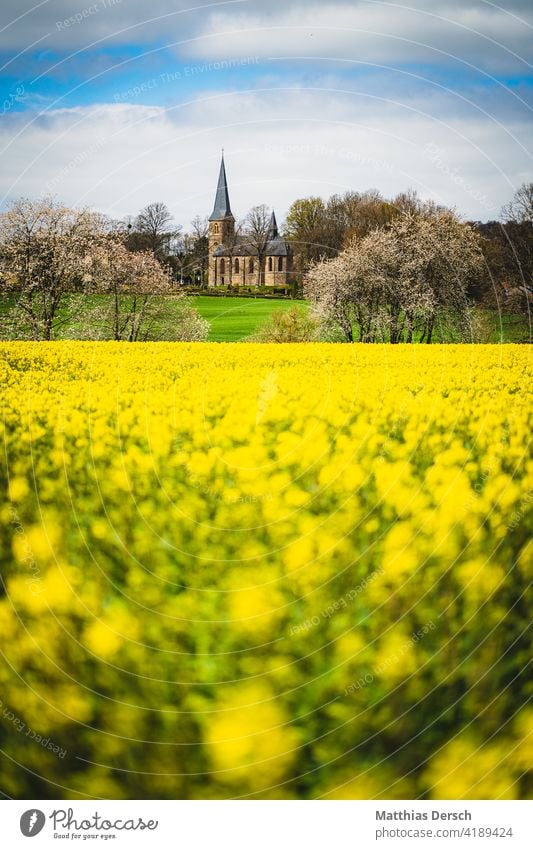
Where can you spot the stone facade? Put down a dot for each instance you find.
(221, 232)
(244, 271)
(232, 260)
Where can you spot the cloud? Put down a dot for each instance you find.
(471, 34)
(65, 25)
(433, 31)
(280, 145)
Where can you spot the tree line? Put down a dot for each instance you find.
(395, 270)
(373, 269)
(56, 262)
(186, 254)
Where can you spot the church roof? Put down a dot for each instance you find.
(221, 208)
(275, 247)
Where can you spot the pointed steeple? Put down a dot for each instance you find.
(221, 208)
(273, 227)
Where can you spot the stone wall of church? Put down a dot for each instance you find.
(219, 231)
(277, 271)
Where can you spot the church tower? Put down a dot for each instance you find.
(221, 225)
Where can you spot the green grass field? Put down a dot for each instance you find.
(232, 319)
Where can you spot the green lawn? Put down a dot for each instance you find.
(232, 319)
(509, 328)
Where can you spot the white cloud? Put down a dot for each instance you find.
(280, 145)
(487, 34)
(389, 32)
(66, 25)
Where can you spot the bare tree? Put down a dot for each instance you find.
(520, 208)
(257, 225)
(199, 247)
(156, 227)
(200, 227)
(46, 254)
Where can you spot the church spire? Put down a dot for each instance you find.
(273, 227)
(221, 208)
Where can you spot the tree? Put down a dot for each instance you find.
(143, 305)
(154, 230)
(510, 254)
(318, 230)
(257, 227)
(400, 279)
(200, 227)
(294, 325)
(183, 261)
(352, 288)
(409, 203)
(46, 254)
(307, 231)
(508, 282)
(334, 287)
(520, 208)
(362, 213)
(448, 261)
(197, 250)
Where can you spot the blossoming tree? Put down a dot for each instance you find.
(400, 279)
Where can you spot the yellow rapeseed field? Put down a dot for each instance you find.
(265, 571)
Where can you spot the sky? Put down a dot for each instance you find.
(114, 104)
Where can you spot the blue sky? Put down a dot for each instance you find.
(116, 103)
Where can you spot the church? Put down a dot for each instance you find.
(233, 260)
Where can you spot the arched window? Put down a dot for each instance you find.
(222, 266)
(236, 266)
(251, 265)
(270, 263)
(215, 228)
(280, 263)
